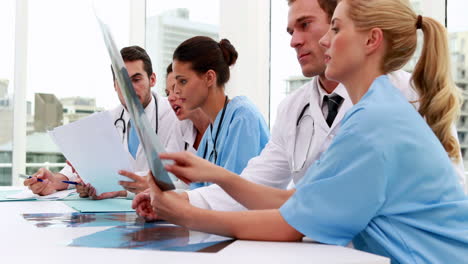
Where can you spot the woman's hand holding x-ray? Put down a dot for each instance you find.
(168, 205)
(142, 205)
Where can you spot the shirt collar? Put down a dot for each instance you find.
(189, 132)
(149, 110)
(339, 90)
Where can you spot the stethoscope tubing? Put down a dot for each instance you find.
(127, 125)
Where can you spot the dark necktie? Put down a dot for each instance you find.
(333, 101)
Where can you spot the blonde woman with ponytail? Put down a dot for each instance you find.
(439, 98)
(386, 182)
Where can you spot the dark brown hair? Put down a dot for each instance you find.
(327, 5)
(205, 54)
(168, 69)
(134, 53)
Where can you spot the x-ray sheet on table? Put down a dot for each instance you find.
(153, 236)
(95, 149)
(83, 219)
(149, 140)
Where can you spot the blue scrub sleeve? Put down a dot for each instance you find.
(245, 139)
(340, 193)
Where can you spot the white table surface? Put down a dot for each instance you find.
(22, 242)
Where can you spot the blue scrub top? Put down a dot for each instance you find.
(243, 135)
(386, 184)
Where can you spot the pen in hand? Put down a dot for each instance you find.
(72, 182)
(29, 177)
(41, 180)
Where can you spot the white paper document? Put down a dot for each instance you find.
(29, 195)
(94, 148)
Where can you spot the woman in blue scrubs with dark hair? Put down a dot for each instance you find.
(386, 182)
(237, 131)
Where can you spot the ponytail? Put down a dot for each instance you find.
(439, 98)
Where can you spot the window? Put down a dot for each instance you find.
(68, 68)
(244, 22)
(457, 26)
(461, 137)
(7, 52)
(169, 23)
(286, 74)
(68, 75)
(430, 8)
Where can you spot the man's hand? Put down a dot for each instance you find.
(142, 205)
(49, 184)
(138, 185)
(83, 189)
(169, 205)
(87, 190)
(108, 195)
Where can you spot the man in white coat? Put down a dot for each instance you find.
(157, 109)
(307, 120)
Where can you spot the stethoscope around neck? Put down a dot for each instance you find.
(126, 126)
(214, 152)
(297, 166)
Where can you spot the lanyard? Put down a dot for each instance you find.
(214, 151)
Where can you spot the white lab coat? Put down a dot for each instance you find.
(166, 120)
(273, 167)
(183, 137)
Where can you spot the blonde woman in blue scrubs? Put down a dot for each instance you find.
(386, 182)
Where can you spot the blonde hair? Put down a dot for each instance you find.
(439, 98)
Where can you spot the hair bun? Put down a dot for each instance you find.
(229, 52)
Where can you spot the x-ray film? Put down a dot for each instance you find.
(149, 140)
(153, 236)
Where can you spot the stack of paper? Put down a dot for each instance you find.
(27, 194)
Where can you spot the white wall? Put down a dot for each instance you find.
(137, 23)
(246, 24)
(434, 9)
